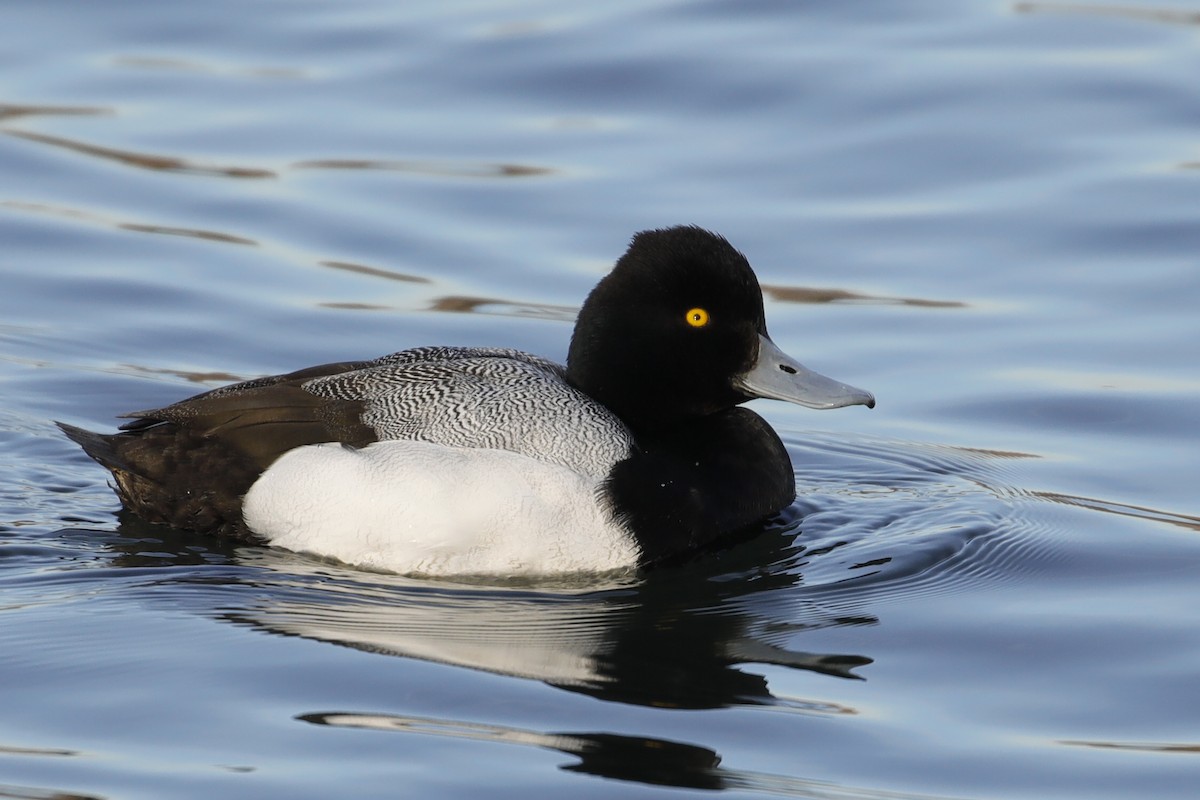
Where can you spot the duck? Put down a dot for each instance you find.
(442, 461)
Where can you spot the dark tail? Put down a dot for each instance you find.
(99, 446)
(156, 471)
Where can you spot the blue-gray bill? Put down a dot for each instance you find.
(778, 376)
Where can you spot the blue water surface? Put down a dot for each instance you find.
(985, 213)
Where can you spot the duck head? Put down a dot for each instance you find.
(677, 331)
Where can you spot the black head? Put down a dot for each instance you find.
(676, 331)
(664, 334)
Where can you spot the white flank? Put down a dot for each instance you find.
(422, 508)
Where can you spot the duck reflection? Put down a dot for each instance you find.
(677, 637)
(631, 758)
(638, 759)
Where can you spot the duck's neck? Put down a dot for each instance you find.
(656, 403)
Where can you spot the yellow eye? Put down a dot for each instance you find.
(696, 317)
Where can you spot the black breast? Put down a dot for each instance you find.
(701, 483)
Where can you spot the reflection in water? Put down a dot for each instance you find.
(638, 759)
(1140, 747)
(58, 211)
(34, 793)
(674, 638)
(1122, 509)
(1170, 16)
(374, 272)
(212, 236)
(141, 160)
(187, 375)
(9, 750)
(802, 294)
(13, 111)
(444, 169)
(461, 304)
(30, 793)
(136, 227)
(352, 306)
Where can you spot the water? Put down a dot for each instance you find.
(984, 213)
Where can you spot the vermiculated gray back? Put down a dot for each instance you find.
(483, 397)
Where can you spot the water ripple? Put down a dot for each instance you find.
(895, 519)
(804, 294)
(13, 111)
(136, 227)
(150, 161)
(445, 169)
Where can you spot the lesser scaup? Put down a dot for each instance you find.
(449, 460)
